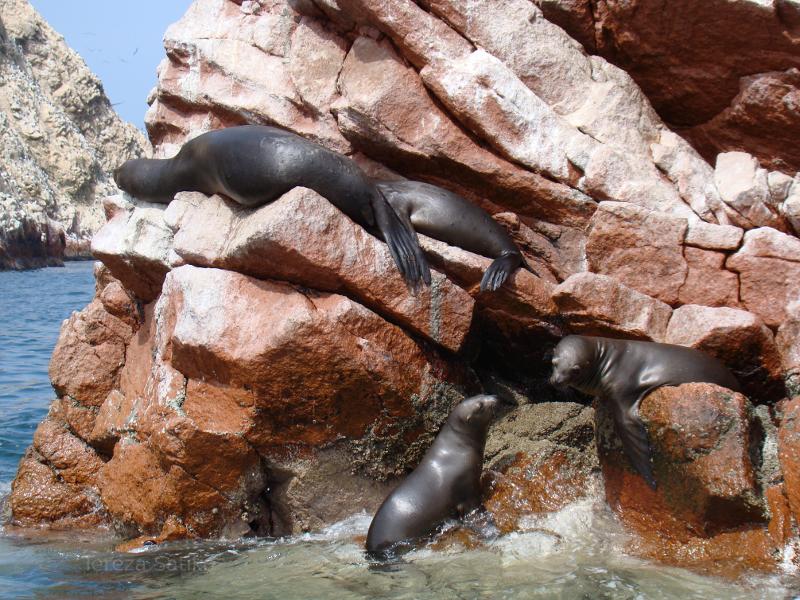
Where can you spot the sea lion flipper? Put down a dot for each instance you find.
(499, 270)
(402, 242)
(635, 441)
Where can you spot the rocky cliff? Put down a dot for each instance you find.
(59, 141)
(267, 371)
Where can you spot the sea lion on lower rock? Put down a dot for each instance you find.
(445, 216)
(445, 484)
(623, 372)
(254, 165)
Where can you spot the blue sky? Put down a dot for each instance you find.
(120, 40)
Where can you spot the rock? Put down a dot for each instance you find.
(523, 296)
(28, 243)
(89, 355)
(788, 342)
(234, 394)
(140, 495)
(739, 339)
(61, 140)
(420, 36)
(135, 245)
(720, 77)
(39, 498)
(769, 271)
(540, 457)
(789, 452)
(594, 304)
(761, 119)
(641, 249)
(707, 501)
(256, 51)
(553, 253)
(790, 207)
(302, 238)
(321, 490)
(73, 460)
(744, 187)
(118, 303)
(488, 98)
(435, 149)
(713, 237)
(596, 97)
(707, 281)
(56, 482)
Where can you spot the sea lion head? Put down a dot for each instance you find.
(123, 175)
(573, 362)
(142, 178)
(475, 414)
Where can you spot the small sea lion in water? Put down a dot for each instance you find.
(623, 372)
(445, 216)
(254, 165)
(446, 484)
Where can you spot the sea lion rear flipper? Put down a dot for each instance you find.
(499, 271)
(635, 441)
(402, 242)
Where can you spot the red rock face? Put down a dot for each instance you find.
(705, 80)
(789, 452)
(707, 507)
(739, 339)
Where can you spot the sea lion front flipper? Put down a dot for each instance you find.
(635, 441)
(402, 242)
(499, 270)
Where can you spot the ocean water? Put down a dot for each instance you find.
(576, 553)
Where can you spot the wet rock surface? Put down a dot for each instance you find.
(266, 371)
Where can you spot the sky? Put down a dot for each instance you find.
(120, 40)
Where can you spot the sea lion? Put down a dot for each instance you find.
(623, 372)
(445, 484)
(254, 165)
(445, 216)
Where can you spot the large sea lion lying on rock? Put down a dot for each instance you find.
(445, 216)
(623, 372)
(254, 165)
(445, 485)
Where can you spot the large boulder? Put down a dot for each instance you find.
(769, 271)
(237, 386)
(707, 511)
(739, 339)
(304, 239)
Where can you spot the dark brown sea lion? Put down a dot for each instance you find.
(254, 165)
(446, 484)
(623, 372)
(445, 216)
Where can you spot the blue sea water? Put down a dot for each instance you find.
(32, 306)
(576, 553)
